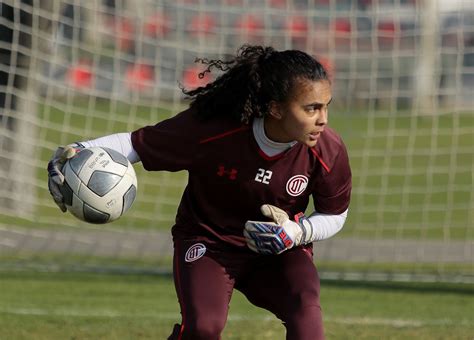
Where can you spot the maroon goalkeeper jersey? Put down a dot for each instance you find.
(230, 177)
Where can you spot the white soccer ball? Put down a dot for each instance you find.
(100, 185)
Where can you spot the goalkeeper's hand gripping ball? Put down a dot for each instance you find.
(55, 175)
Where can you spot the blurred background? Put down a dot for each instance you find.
(403, 79)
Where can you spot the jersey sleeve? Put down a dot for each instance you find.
(332, 191)
(169, 145)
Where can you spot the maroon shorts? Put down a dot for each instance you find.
(287, 285)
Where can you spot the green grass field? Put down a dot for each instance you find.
(49, 306)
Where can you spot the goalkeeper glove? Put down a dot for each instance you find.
(281, 234)
(55, 175)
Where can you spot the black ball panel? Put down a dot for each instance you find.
(102, 182)
(128, 198)
(117, 157)
(78, 161)
(92, 215)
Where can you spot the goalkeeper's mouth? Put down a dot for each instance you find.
(314, 136)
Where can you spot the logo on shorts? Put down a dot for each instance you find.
(296, 185)
(196, 251)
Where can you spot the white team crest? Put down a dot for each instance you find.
(195, 252)
(296, 185)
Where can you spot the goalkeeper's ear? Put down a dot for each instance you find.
(274, 110)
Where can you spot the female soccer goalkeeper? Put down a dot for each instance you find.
(256, 145)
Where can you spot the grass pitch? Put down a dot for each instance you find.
(412, 180)
(49, 306)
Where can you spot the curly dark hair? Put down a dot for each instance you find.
(252, 79)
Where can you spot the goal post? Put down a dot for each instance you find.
(402, 73)
(20, 30)
(428, 60)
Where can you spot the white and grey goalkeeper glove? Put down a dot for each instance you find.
(281, 234)
(55, 175)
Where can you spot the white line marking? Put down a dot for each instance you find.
(398, 323)
(7, 242)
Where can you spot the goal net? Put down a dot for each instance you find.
(403, 84)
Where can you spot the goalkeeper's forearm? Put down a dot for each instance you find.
(120, 142)
(324, 226)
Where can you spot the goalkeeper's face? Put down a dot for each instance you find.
(303, 116)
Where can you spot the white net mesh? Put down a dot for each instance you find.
(403, 78)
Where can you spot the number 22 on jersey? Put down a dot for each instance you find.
(263, 176)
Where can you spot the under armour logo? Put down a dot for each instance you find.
(232, 173)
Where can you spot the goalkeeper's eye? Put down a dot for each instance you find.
(313, 108)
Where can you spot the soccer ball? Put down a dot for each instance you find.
(100, 185)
